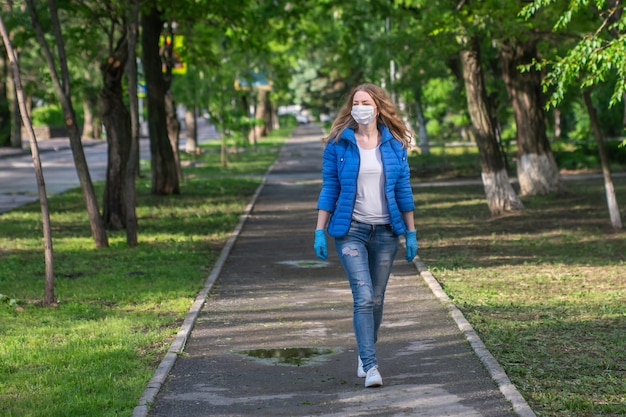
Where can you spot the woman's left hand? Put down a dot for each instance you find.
(320, 244)
(411, 245)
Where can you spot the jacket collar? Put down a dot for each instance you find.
(348, 134)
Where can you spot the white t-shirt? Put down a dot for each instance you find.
(370, 206)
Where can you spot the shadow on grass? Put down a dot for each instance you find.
(571, 228)
(577, 364)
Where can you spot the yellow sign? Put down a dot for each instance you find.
(179, 66)
(254, 80)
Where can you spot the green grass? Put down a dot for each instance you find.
(459, 161)
(119, 307)
(444, 162)
(545, 289)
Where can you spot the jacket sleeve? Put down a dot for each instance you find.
(330, 179)
(404, 192)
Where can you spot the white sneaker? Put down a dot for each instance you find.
(359, 369)
(373, 378)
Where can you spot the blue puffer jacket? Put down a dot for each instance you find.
(340, 169)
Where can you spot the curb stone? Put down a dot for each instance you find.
(497, 373)
(162, 371)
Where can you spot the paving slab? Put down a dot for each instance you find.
(271, 333)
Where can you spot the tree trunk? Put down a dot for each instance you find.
(269, 110)
(173, 124)
(421, 124)
(611, 200)
(275, 119)
(116, 119)
(88, 118)
(501, 197)
(557, 124)
(537, 171)
(191, 126)
(5, 103)
(222, 113)
(164, 170)
(11, 94)
(624, 113)
(258, 129)
(91, 119)
(92, 125)
(49, 298)
(246, 128)
(16, 118)
(63, 91)
(132, 166)
(173, 131)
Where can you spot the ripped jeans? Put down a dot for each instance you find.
(367, 254)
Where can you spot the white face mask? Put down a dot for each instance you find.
(363, 115)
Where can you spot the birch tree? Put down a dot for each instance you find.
(611, 200)
(599, 55)
(537, 171)
(501, 197)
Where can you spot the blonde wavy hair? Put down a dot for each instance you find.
(387, 115)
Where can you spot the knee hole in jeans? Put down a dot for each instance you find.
(350, 252)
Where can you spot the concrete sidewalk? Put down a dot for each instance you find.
(271, 332)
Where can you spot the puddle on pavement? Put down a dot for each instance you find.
(298, 356)
(305, 264)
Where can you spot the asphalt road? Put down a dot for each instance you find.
(18, 185)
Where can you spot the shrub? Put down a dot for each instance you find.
(52, 115)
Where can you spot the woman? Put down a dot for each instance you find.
(366, 203)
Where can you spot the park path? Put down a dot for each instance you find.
(271, 332)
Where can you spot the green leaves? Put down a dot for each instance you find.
(590, 62)
(5, 299)
(597, 57)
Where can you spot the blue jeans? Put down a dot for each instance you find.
(367, 254)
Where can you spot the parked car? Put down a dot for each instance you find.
(302, 118)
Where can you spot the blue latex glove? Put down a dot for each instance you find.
(411, 245)
(320, 244)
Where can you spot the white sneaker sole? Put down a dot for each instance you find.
(373, 380)
(374, 384)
